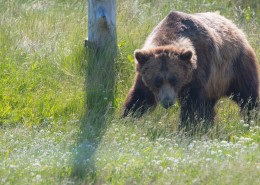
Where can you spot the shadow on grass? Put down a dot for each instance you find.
(92, 129)
(100, 80)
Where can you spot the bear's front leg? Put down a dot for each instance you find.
(196, 114)
(139, 100)
(187, 117)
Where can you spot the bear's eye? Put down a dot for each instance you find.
(158, 81)
(173, 80)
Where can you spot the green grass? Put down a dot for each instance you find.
(46, 137)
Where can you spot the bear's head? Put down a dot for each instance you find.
(165, 70)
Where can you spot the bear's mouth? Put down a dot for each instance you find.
(167, 102)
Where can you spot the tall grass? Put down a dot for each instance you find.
(41, 60)
(44, 137)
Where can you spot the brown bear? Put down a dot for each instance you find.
(195, 59)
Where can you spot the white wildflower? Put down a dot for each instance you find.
(245, 125)
(38, 178)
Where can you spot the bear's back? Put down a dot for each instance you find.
(207, 31)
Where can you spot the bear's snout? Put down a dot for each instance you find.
(167, 96)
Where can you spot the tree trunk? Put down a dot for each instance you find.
(102, 49)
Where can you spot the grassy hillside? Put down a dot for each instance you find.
(46, 137)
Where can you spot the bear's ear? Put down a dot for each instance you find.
(186, 55)
(141, 56)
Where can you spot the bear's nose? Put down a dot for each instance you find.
(166, 102)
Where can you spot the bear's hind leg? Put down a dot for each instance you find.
(244, 89)
(248, 103)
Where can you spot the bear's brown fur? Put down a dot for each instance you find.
(197, 59)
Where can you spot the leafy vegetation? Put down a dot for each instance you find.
(46, 136)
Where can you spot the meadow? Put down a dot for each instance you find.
(47, 135)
